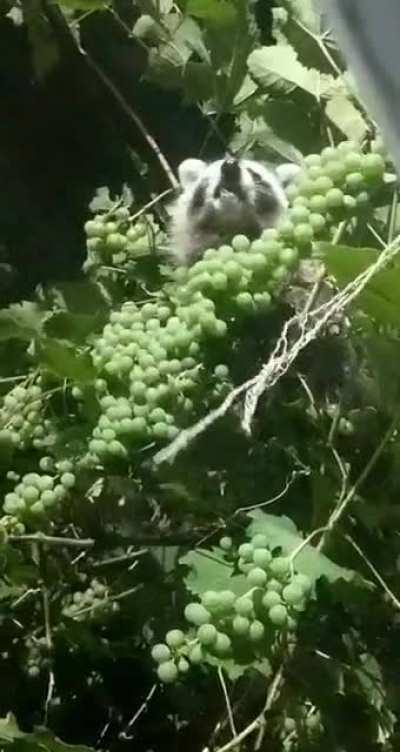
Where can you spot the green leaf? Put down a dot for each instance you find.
(282, 532)
(65, 361)
(73, 327)
(209, 571)
(215, 12)
(84, 4)
(256, 133)
(305, 12)
(277, 67)
(380, 299)
(40, 740)
(22, 321)
(346, 117)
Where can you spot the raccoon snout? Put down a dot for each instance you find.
(230, 171)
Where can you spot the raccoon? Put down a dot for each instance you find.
(223, 198)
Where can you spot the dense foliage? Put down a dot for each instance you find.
(199, 466)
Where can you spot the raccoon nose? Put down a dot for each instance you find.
(230, 170)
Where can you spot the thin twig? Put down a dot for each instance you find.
(227, 701)
(52, 540)
(374, 571)
(124, 734)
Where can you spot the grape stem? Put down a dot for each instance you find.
(51, 540)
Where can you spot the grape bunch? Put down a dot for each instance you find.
(89, 604)
(36, 495)
(21, 417)
(275, 597)
(334, 185)
(37, 657)
(150, 356)
(115, 238)
(304, 727)
(11, 525)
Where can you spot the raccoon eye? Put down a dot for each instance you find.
(256, 177)
(198, 198)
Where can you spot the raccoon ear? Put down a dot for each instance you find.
(287, 172)
(189, 171)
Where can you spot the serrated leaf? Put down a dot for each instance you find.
(65, 361)
(41, 740)
(73, 327)
(277, 67)
(306, 13)
(282, 532)
(209, 571)
(22, 321)
(346, 117)
(380, 299)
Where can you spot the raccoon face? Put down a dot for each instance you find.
(223, 198)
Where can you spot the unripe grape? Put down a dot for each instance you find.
(259, 540)
(240, 625)
(271, 598)
(322, 185)
(183, 666)
(257, 630)
(207, 634)
(222, 645)
(334, 198)
(280, 566)
(196, 654)
(246, 551)
(160, 652)
(317, 222)
(354, 181)
(175, 638)
(67, 480)
(226, 599)
(303, 581)
(303, 234)
(373, 166)
(244, 606)
(226, 543)
(240, 243)
(278, 615)
(262, 557)
(167, 672)
(197, 614)
(257, 577)
(318, 204)
(292, 594)
(289, 724)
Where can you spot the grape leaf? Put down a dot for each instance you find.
(22, 321)
(380, 299)
(345, 116)
(65, 361)
(41, 740)
(220, 13)
(282, 532)
(277, 67)
(210, 571)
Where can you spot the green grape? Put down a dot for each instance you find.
(354, 181)
(318, 204)
(373, 166)
(262, 557)
(257, 631)
(318, 222)
(160, 652)
(353, 161)
(278, 615)
(280, 566)
(226, 599)
(299, 214)
(46, 464)
(48, 498)
(245, 551)
(210, 600)
(197, 614)
(243, 606)
(67, 480)
(322, 185)
(257, 577)
(289, 257)
(303, 234)
(222, 645)
(30, 494)
(167, 672)
(226, 543)
(301, 580)
(312, 160)
(221, 371)
(183, 666)
(289, 724)
(259, 541)
(37, 508)
(328, 153)
(336, 170)
(240, 243)
(334, 198)
(286, 229)
(292, 594)
(240, 625)
(196, 654)
(65, 466)
(175, 638)
(31, 479)
(207, 634)
(271, 598)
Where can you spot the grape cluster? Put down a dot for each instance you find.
(151, 354)
(304, 727)
(11, 525)
(332, 186)
(89, 604)
(37, 657)
(39, 495)
(115, 238)
(276, 596)
(21, 417)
